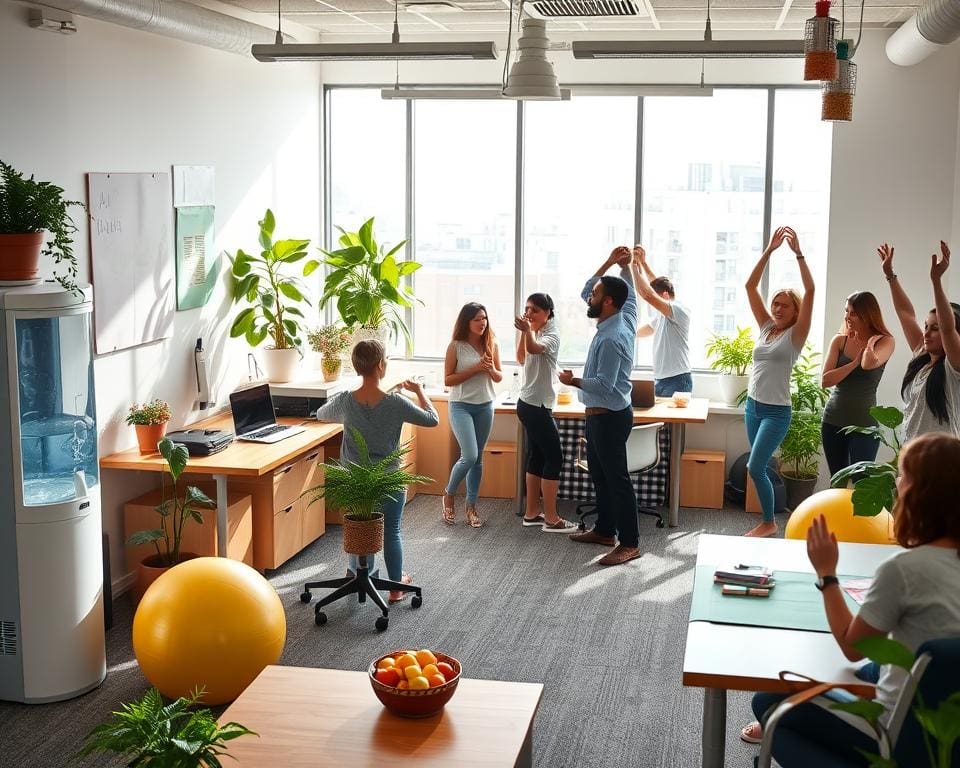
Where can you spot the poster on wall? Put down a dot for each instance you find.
(197, 270)
(192, 185)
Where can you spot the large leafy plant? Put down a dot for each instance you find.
(261, 281)
(360, 488)
(368, 283)
(36, 206)
(731, 354)
(176, 511)
(800, 449)
(154, 735)
(874, 482)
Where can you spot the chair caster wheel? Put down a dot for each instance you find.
(381, 623)
(305, 597)
(320, 618)
(416, 602)
(660, 523)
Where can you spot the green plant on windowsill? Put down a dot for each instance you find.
(731, 355)
(154, 735)
(874, 482)
(800, 449)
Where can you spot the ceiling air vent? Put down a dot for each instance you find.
(8, 638)
(572, 9)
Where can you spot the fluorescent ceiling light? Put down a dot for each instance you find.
(373, 51)
(687, 49)
(640, 90)
(454, 94)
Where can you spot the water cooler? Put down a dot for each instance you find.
(51, 571)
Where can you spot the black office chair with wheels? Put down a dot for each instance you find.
(643, 454)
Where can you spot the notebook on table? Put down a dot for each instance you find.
(254, 419)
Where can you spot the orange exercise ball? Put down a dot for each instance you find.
(836, 506)
(210, 622)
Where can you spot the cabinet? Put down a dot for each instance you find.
(437, 450)
(499, 470)
(703, 476)
(140, 514)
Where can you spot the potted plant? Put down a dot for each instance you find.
(330, 342)
(152, 734)
(732, 356)
(261, 282)
(874, 482)
(367, 283)
(150, 422)
(28, 208)
(800, 449)
(174, 512)
(359, 489)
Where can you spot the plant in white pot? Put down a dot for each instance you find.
(732, 356)
(263, 283)
(368, 286)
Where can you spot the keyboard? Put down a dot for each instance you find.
(267, 431)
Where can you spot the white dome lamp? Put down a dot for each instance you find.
(532, 76)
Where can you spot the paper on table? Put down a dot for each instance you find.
(857, 589)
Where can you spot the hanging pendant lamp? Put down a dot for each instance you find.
(819, 45)
(838, 94)
(532, 76)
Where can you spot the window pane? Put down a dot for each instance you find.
(464, 201)
(801, 197)
(703, 170)
(579, 171)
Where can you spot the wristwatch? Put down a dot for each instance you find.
(826, 581)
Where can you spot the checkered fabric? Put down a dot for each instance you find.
(651, 487)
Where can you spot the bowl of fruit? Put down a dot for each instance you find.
(414, 683)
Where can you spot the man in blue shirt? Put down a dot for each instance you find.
(605, 392)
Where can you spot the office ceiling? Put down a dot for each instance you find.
(365, 18)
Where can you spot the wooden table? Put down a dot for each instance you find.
(239, 459)
(326, 717)
(663, 410)
(727, 657)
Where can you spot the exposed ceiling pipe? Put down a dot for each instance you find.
(935, 25)
(174, 18)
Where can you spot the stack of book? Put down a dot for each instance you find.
(743, 575)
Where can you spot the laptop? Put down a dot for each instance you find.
(643, 395)
(254, 419)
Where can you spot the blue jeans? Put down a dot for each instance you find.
(392, 544)
(766, 427)
(471, 424)
(682, 382)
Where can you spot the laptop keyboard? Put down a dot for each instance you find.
(267, 431)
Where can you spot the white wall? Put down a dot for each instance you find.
(114, 99)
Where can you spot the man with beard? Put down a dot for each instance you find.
(605, 393)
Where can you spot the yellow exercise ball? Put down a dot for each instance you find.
(210, 622)
(835, 504)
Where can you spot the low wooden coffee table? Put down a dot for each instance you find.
(328, 717)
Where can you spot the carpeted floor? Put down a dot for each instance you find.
(511, 603)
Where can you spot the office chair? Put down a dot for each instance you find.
(643, 454)
(935, 676)
(360, 584)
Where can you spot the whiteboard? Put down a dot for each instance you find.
(132, 255)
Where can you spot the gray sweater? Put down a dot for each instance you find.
(380, 425)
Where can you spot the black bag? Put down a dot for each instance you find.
(735, 489)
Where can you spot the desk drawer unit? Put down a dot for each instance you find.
(314, 523)
(703, 476)
(277, 513)
(499, 471)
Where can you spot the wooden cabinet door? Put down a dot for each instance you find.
(436, 452)
(287, 533)
(314, 520)
(408, 438)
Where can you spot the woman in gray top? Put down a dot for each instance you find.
(379, 416)
(853, 366)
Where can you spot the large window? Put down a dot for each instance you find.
(702, 199)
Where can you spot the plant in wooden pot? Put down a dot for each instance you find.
(800, 449)
(732, 356)
(174, 512)
(28, 209)
(263, 283)
(150, 422)
(330, 342)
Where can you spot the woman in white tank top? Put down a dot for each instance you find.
(783, 332)
(471, 368)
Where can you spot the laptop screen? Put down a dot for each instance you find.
(252, 409)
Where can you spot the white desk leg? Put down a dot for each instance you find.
(521, 468)
(676, 448)
(221, 481)
(714, 742)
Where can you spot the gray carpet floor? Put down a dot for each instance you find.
(511, 603)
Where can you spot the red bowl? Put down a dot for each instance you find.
(407, 703)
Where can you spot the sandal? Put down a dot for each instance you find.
(397, 596)
(448, 512)
(473, 519)
(751, 733)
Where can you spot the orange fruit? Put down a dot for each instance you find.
(412, 671)
(436, 680)
(419, 683)
(405, 660)
(386, 663)
(425, 657)
(445, 669)
(430, 669)
(403, 685)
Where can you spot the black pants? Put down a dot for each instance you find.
(607, 435)
(842, 451)
(544, 452)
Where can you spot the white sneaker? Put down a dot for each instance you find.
(561, 526)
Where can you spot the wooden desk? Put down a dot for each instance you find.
(663, 410)
(326, 717)
(726, 657)
(240, 459)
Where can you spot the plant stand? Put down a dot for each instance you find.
(361, 585)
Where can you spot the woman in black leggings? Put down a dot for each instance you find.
(537, 351)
